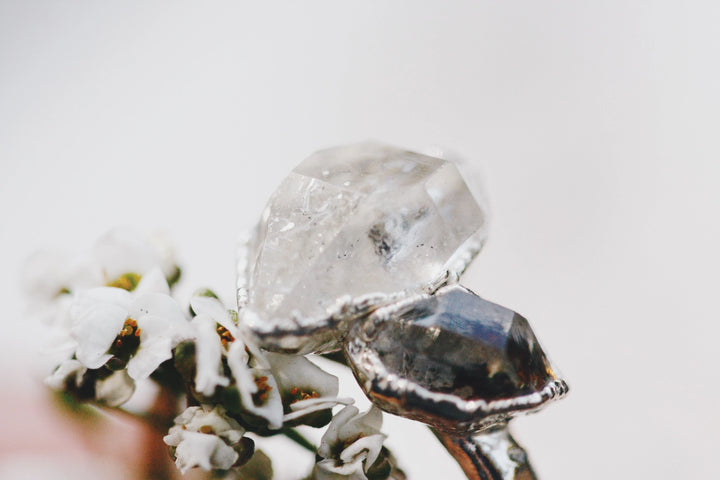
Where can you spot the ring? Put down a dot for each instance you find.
(360, 249)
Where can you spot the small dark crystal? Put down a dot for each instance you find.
(452, 355)
(459, 343)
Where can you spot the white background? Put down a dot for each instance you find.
(595, 123)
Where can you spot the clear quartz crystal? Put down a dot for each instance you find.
(351, 222)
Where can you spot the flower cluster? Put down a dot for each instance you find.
(114, 320)
(110, 318)
(351, 444)
(208, 439)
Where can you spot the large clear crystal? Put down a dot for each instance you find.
(354, 222)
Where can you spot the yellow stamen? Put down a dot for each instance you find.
(263, 392)
(125, 344)
(127, 281)
(298, 395)
(226, 337)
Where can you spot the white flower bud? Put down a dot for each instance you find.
(205, 438)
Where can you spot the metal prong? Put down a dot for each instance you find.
(492, 455)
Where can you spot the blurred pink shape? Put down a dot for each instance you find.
(33, 425)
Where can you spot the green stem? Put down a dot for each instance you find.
(296, 437)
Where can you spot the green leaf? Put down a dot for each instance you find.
(174, 276)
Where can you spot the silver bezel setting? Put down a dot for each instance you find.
(405, 397)
(302, 335)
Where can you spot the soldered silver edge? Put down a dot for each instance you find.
(302, 335)
(377, 381)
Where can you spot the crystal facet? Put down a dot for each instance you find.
(349, 229)
(452, 360)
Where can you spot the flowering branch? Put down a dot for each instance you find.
(360, 250)
(115, 322)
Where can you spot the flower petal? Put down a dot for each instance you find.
(67, 368)
(175, 435)
(152, 352)
(330, 470)
(159, 314)
(332, 434)
(211, 450)
(371, 445)
(153, 282)
(237, 359)
(297, 371)
(116, 296)
(215, 418)
(364, 424)
(271, 409)
(208, 355)
(363, 430)
(58, 344)
(214, 308)
(122, 250)
(115, 389)
(204, 451)
(45, 275)
(304, 407)
(97, 317)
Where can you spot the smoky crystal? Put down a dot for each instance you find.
(453, 360)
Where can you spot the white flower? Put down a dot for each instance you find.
(115, 389)
(205, 438)
(217, 338)
(258, 390)
(211, 342)
(57, 344)
(350, 445)
(68, 371)
(120, 257)
(305, 387)
(112, 390)
(52, 279)
(141, 326)
(266, 381)
(46, 279)
(122, 250)
(49, 274)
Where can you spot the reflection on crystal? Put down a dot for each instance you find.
(365, 219)
(452, 354)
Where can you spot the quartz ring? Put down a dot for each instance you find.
(361, 249)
